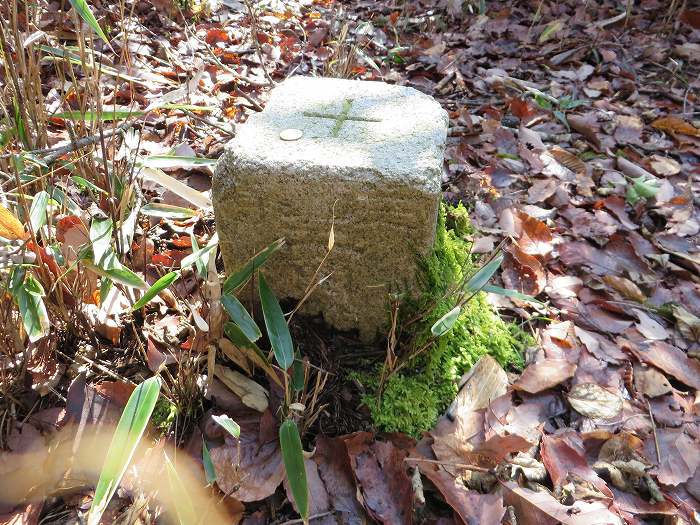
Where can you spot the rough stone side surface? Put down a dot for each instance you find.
(381, 179)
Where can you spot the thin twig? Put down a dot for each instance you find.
(475, 468)
(236, 75)
(208, 123)
(256, 43)
(313, 517)
(56, 152)
(656, 438)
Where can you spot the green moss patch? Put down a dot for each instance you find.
(414, 398)
(164, 414)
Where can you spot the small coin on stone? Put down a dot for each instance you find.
(291, 134)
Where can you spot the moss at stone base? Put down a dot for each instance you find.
(414, 398)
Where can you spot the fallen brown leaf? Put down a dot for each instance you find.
(675, 125)
(664, 166)
(256, 473)
(669, 359)
(627, 288)
(333, 462)
(541, 508)
(497, 448)
(472, 507)
(650, 382)
(600, 346)
(319, 498)
(10, 227)
(680, 455)
(594, 401)
(650, 328)
(568, 159)
(586, 126)
(545, 374)
(453, 435)
(383, 482)
(564, 457)
(535, 236)
(522, 272)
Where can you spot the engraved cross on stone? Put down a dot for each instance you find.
(341, 117)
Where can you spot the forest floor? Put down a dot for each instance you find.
(574, 141)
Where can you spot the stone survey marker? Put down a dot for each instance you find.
(369, 152)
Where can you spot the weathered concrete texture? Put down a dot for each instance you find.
(371, 150)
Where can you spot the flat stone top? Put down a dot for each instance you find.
(347, 128)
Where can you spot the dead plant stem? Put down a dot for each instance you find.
(475, 468)
(256, 42)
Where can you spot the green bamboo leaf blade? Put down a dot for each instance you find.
(180, 497)
(120, 275)
(93, 116)
(446, 322)
(238, 338)
(298, 375)
(35, 318)
(83, 9)
(130, 429)
(293, 458)
(86, 184)
(239, 278)
(145, 79)
(277, 329)
(105, 287)
(100, 237)
(19, 124)
(482, 276)
(37, 213)
(241, 317)
(167, 211)
(228, 424)
(200, 264)
(198, 255)
(209, 469)
(157, 287)
(510, 293)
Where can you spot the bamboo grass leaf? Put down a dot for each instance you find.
(120, 275)
(101, 237)
(293, 457)
(107, 114)
(37, 213)
(482, 276)
(167, 211)
(198, 254)
(157, 287)
(239, 278)
(228, 424)
(209, 469)
(277, 329)
(241, 317)
(83, 9)
(179, 495)
(127, 435)
(446, 322)
(510, 293)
